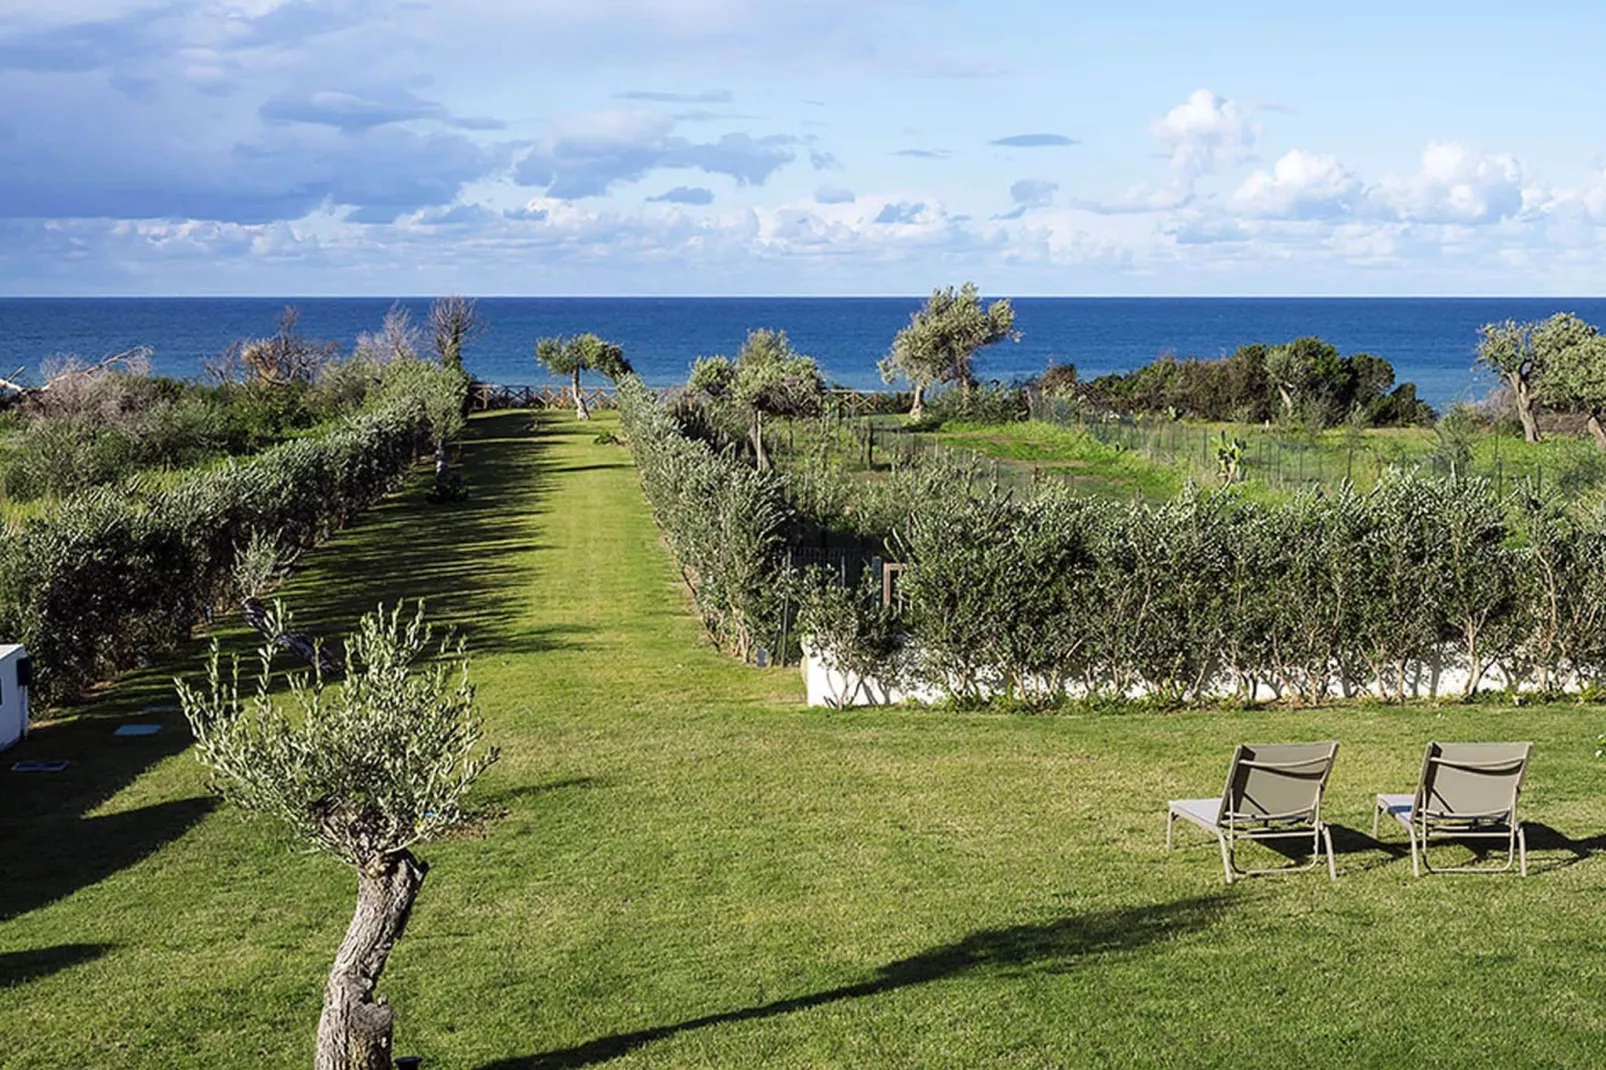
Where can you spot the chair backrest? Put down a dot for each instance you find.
(1472, 779)
(1277, 780)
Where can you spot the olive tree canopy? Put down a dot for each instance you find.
(362, 770)
(1573, 356)
(767, 378)
(942, 339)
(578, 353)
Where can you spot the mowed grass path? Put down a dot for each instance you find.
(691, 869)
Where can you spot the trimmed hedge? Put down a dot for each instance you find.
(1418, 585)
(112, 578)
(725, 522)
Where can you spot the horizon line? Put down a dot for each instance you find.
(793, 297)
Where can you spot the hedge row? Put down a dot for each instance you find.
(725, 522)
(1418, 585)
(110, 578)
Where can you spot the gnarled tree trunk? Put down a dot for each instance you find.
(918, 409)
(755, 435)
(580, 410)
(1597, 430)
(1522, 400)
(1288, 401)
(354, 1032)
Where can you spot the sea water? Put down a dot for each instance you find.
(1430, 341)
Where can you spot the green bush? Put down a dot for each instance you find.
(1016, 597)
(852, 632)
(988, 404)
(114, 577)
(725, 522)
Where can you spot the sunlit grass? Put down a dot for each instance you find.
(688, 868)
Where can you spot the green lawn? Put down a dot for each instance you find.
(1154, 460)
(688, 868)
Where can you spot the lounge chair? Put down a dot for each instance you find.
(1273, 792)
(1466, 791)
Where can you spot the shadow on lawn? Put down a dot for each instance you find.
(470, 561)
(52, 848)
(1054, 947)
(20, 967)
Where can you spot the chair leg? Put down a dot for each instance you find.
(1377, 812)
(1332, 866)
(1170, 823)
(1522, 850)
(1226, 857)
(1416, 865)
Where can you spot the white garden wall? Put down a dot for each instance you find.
(1446, 677)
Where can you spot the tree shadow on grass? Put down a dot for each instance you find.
(1053, 947)
(472, 562)
(530, 791)
(52, 848)
(20, 967)
(53, 857)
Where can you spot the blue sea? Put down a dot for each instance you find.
(1429, 340)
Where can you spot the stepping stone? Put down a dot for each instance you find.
(137, 730)
(40, 765)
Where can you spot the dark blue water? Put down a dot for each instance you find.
(1429, 340)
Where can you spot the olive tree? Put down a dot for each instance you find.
(443, 390)
(1520, 354)
(398, 339)
(363, 770)
(1575, 369)
(942, 339)
(1297, 369)
(767, 378)
(853, 633)
(582, 353)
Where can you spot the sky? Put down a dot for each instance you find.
(689, 147)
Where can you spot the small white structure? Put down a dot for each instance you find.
(14, 679)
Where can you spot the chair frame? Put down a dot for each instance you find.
(1424, 824)
(1232, 825)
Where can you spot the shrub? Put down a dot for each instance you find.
(992, 403)
(852, 632)
(725, 522)
(112, 578)
(1210, 593)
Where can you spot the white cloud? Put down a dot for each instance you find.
(1457, 185)
(1205, 132)
(1201, 135)
(1302, 185)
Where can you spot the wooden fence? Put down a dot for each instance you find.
(485, 396)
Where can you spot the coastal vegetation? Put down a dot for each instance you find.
(1305, 382)
(1030, 595)
(941, 341)
(1143, 583)
(365, 770)
(767, 378)
(110, 575)
(682, 866)
(581, 353)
